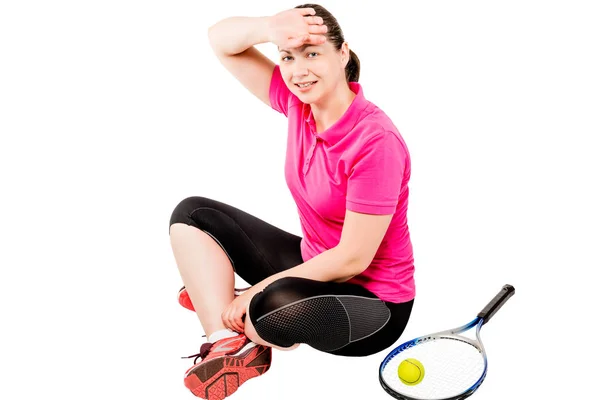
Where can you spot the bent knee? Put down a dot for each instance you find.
(280, 293)
(184, 209)
(265, 309)
(288, 312)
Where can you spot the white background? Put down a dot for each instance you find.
(111, 112)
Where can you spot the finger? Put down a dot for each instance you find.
(297, 41)
(240, 323)
(226, 318)
(313, 20)
(230, 320)
(240, 320)
(238, 326)
(226, 323)
(315, 29)
(315, 39)
(307, 11)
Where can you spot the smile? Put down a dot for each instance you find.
(303, 85)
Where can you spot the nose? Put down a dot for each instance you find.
(300, 72)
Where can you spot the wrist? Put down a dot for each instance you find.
(264, 30)
(260, 286)
(249, 293)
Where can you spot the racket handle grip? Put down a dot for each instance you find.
(493, 306)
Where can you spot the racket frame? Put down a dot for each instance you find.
(453, 334)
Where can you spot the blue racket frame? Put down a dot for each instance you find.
(447, 334)
(483, 317)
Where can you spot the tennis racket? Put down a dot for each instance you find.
(454, 365)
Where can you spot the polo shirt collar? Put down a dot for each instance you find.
(342, 126)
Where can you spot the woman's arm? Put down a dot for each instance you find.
(234, 35)
(333, 265)
(233, 40)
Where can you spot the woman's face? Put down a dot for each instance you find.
(312, 72)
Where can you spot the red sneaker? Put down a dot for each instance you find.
(220, 373)
(184, 298)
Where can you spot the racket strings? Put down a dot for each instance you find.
(451, 368)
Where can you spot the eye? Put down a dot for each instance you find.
(285, 58)
(311, 53)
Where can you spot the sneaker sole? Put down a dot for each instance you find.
(218, 378)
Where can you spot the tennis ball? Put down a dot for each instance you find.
(411, 372)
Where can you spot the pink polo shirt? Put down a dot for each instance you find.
(360, 163)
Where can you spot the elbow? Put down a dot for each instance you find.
(212, 29)
(359, 266)
(353, 265)
(215, 36)
(210, 33)
(217, 40)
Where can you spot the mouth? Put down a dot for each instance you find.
(305, 84)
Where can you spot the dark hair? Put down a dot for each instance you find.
(336, 36)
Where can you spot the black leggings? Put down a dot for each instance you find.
(335, 317)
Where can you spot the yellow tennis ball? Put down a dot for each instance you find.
(411, 371)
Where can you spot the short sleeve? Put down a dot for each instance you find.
(376, 175)
(279, 94)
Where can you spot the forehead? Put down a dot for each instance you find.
(302, 48)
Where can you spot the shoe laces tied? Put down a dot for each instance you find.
(204, 350)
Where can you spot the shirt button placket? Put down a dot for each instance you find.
(310, 155)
